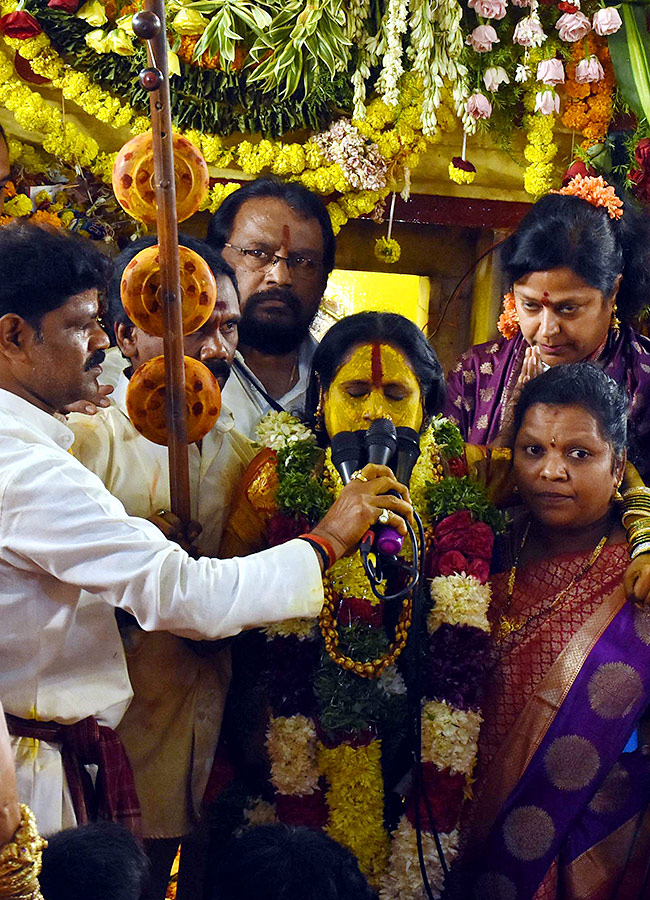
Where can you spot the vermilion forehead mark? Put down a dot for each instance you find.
(546, 299)
(286, 235)
(375, 365)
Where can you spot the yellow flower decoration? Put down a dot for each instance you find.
(387, 250)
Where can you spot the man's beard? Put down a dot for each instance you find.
(220, 368)
(269, 335)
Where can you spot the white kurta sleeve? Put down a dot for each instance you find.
(59, 519)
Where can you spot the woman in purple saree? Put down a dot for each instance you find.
(560, 810)
(578, 264)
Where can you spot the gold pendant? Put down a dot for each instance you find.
(507, 625)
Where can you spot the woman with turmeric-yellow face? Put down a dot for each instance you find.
(374, 381)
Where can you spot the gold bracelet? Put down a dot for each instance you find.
(630, 511)
(638, 531)
(638, 549)
(20, 860)
(632, 492)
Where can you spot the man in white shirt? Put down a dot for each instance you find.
(278, 238)
(70, 554)
(171, 728)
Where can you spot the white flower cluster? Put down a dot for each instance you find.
(293, 750)
(435, 51)
(403, 880)
(362, 163)
(450, 736)
(279, 429)
(459, 599)
(395, 20)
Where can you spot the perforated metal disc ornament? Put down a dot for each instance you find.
(141, 293)
(133, 178)
(145, 400)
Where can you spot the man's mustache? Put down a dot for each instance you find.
(283, 295)
(95, 360)
(220, 368)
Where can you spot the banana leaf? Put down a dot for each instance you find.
(630, 51)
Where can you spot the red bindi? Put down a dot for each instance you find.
(375, 365)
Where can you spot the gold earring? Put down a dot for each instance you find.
(319, 417)
(615, 323)
(618, 497)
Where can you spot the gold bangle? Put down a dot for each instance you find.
(638, 549)
(632, 492)
(20, 860)
(638, 532)
(642, 511)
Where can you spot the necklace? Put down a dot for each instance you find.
(510, 624)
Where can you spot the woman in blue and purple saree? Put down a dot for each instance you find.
(560, 809)
(577, 265)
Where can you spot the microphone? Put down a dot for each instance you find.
(408, 451)
(381, 443)
(347, 451)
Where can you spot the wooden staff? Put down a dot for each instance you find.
(150, 25)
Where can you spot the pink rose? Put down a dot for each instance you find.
(489, 9)
(479, 107)
(547, 103)
(606, 21)
(573, 26)
(589, 70)
(20, 25)
(495, 76)
(520, 3)
(529, 32)
(551, 71)
(482, 38)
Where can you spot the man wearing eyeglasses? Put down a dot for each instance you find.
(278, 238)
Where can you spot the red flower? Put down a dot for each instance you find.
(458, 466)
(451, 562)
(354, 609)
(577, 167)
(459, 532)
(480, 569)
(19, 25)
(24, 69)
(642, 153)
(445, 795)
(641, 183)
(67, 6)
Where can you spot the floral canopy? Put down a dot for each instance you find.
(354, 99)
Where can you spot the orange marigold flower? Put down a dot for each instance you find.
(9, 190)
(596, 191)
(43, 217)
(508, 323)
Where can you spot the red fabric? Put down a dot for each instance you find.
(445, 793)
(113, 796)
(302, 809)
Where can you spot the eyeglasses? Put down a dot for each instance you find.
(257, 259)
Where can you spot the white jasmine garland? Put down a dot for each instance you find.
(292, 745)
(403, 880)
(459, 599)
(394, 26)
(278, 430)
(435, 50)
(450, 736)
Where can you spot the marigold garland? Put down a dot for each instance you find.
(508, 323)
(354, 712)
(588, 107)
(355, 798)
